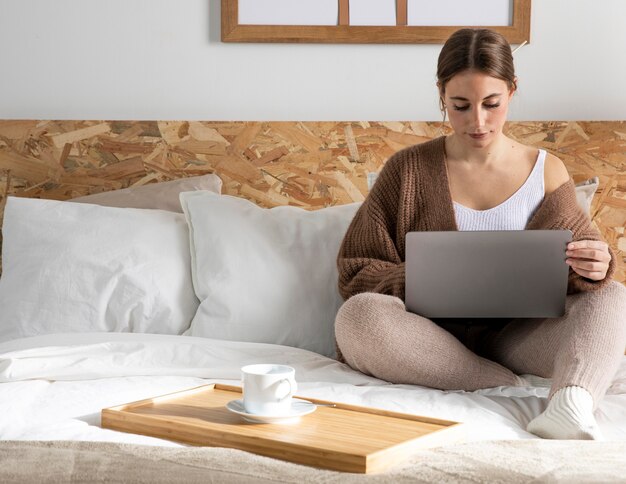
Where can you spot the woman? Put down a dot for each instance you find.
(479, 179)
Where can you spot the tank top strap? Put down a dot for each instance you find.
(536, 177)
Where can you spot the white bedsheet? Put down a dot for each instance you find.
(53, 387)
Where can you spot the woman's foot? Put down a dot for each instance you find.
(569, 415)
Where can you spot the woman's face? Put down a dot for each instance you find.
(477, 106)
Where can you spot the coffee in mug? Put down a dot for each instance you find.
(268, 388)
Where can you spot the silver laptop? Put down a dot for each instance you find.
(487, 274)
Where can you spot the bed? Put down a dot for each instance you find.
(81, 328)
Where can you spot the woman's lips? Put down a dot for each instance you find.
(478, 135)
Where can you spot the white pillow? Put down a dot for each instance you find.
(162, 195)
(71, 267)
(585, 190)
(265, 275)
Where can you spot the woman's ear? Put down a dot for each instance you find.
(442, 103)
(513, 88)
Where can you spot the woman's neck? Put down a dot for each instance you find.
(479, 157)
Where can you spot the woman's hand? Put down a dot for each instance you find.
(589, 258)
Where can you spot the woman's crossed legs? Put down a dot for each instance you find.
(582, 349)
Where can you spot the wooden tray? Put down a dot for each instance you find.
(346, 438)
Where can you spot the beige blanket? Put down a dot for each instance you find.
(512, 461)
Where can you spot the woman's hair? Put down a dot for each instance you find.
(482, 50)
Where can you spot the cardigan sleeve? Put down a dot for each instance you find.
(368, 259)
(560, 210)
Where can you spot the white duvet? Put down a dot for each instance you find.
(53, 387)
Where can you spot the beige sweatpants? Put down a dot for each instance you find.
(377, 336)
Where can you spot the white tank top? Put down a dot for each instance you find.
(512, 214)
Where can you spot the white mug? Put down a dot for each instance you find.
(268, 388)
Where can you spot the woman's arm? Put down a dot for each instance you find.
(560, 210)
(588, 257)
(368, 259)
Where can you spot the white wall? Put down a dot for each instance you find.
(163, 59)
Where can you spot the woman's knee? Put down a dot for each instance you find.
(364, 316)
(611, 297)
(612, 290)
(615, 291)
(612, 294)
(601, 312)
(366, 303)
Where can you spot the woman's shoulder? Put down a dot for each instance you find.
(555, 173)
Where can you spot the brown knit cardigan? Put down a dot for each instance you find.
(412, 193)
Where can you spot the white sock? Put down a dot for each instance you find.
(569, 416)
(536, 381)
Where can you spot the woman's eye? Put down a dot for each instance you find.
(466, 107)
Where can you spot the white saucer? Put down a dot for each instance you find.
(298, 409)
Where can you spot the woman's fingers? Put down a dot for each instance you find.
(589, 244)
(589, 258)
(592, 254)
(594, 276)
(592, 266)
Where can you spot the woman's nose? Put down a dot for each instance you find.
(478, 117)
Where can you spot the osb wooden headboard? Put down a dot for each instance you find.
(307, 164)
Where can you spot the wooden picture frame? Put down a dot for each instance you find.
(342, 33)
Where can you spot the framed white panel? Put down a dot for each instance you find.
(288, 12)
(372, 12)
(369, 21)
(460, 12)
